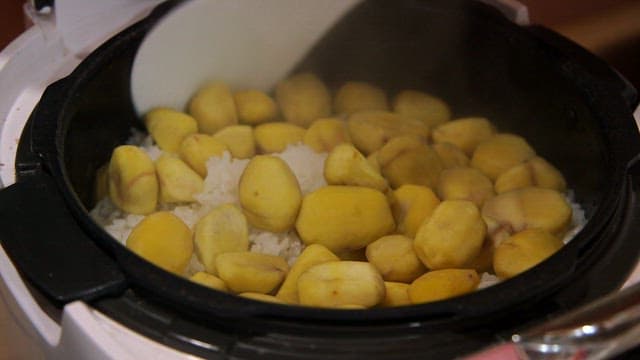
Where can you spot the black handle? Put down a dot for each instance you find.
(49, 248)
(597, 67)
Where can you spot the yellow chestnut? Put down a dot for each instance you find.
(164, 240)
(344, 217)
(269, 194)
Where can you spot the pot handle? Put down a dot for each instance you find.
(49, 248)
(597, 67)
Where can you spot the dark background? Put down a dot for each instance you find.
(609, 28)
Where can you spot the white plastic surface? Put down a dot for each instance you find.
(246, 43)
(87, 334)
(29, 64)
(84, 333)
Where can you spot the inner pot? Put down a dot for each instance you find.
(568, 105)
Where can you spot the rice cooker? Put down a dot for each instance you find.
(66, 101)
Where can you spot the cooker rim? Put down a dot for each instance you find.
(137, 269)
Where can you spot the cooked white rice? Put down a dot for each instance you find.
(487, 279)
(220, 187)
(578, 218)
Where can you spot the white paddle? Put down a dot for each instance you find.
(83, 25)
(246, 43)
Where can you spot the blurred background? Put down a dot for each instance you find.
(608, 28)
